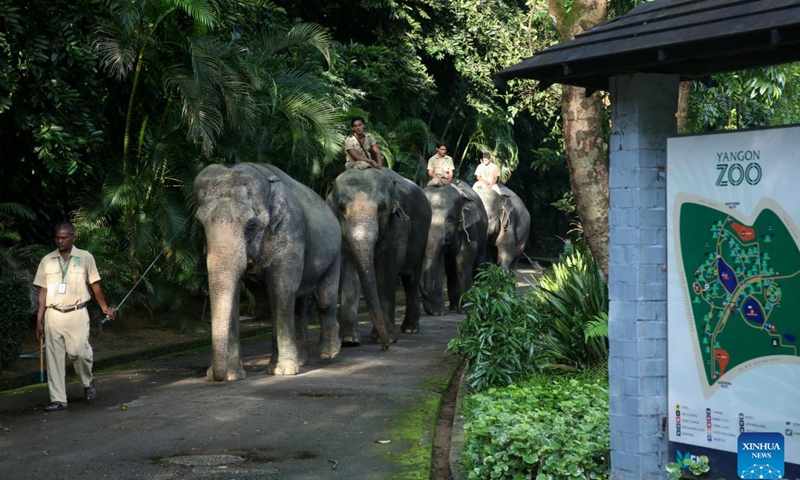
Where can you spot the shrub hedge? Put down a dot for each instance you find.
(15, 296)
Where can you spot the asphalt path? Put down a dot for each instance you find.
(368, 414)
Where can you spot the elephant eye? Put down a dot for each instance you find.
(251, 226)
(382, 206)
(342, 207)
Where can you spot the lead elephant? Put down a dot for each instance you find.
(262, 226)
(509, 225)
(385, 220)
(456, 244)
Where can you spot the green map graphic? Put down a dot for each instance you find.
(743, 284)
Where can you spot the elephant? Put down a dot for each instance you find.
(264, 228)
(509, 225)
(456, 244)
(385, 220)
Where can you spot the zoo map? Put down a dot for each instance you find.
(744, 288)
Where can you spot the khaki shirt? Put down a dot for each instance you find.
(488, 173)
(352, 143)
(441, 165)
(79, 271)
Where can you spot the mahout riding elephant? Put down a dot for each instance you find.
(385, 220)
(509, 225)
(265, 228)
(456, 244)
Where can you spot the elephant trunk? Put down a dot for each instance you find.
(362, 239)
(433, 269)
(224, 273)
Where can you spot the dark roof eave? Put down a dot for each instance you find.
(692, 38)
(690, 60)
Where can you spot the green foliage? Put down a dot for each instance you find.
(550, 427)
(572, 303)
(757, 97)
(15, 296)
(687, 467)
(498, 334)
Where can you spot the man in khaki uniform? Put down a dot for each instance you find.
(65, 277)
(360, 147)
(440, 167)
(487, 174)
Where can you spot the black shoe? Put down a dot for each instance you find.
(90, 392)
(55, 407)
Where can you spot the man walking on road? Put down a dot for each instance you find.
(65, 277)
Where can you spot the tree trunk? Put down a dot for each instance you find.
(583, 133)
(588, 167)
(684, 95)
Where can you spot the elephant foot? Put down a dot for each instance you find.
(351, 341)
(329, 350)
(231, 376)
(409, 327)
(302, 356)
(377, 338)
(283, 368)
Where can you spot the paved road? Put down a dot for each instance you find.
(163, 420)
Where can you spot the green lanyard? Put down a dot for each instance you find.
(63, 267)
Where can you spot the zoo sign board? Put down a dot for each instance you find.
(733, 293)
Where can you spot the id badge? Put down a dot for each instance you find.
(62, 288)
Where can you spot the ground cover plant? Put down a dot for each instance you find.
(548, 427)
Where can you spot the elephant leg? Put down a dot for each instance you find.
(466, 264)
(301, 329)
(453, 273)
(284, 359)
(506, 251)
(411, 289)
(350, 289)
(325, 298)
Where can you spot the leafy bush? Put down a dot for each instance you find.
(572, 304)
(550, 427)
(497, 336)
(15, 296)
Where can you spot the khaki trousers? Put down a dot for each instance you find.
(67, 337)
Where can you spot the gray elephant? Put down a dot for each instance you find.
(456, 244)
(385, 220)
(509, 225)
(265, 228)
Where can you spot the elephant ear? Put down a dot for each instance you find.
(470, 214)
(396, 208)
(505, 212)
(275, 202)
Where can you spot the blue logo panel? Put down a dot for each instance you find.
(760, 455)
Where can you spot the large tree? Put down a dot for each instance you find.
(584, 137)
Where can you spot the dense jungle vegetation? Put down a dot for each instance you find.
(109, 108)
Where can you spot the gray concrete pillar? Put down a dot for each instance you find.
(643, 116)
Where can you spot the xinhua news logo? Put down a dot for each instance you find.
(760, 455)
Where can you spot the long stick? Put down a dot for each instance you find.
(106, 318)
(41, 359)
